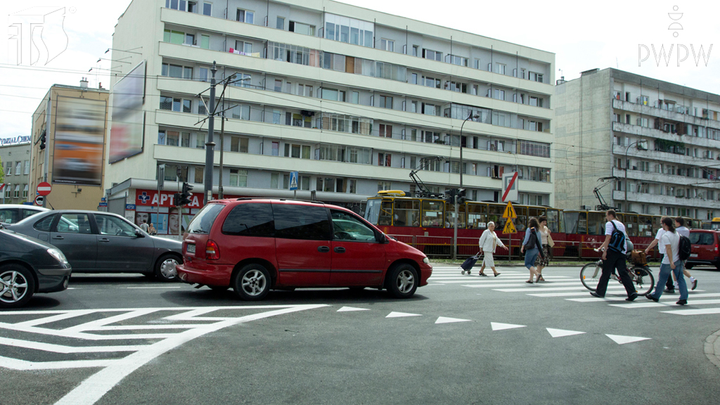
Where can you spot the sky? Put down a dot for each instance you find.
(627, 35)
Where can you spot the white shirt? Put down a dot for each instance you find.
(620, 227)
(683, 231)
(661, 244)
(488, 241)
(672, 239)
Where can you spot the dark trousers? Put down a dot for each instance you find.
(615, 260)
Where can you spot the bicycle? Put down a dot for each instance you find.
(639, 273)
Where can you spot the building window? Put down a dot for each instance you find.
(387, 44)
(200, 141)
(278, 85)
(385, 130)
(280, 23)
(301, 28)
(18, 168)
(536, 77)
(500, 68)
(16, 194)
(430, 54)
(199, 174)
(297, 151)
(386, 102)
(190, 39)
(384, 185)
(275, 149)
(238, 178)
(384, 159)
(187, 106)
(238, 144)
(245, 16)
(27, 167)
(207, 9)
(243, 46)
(355, 98)
(173, 138)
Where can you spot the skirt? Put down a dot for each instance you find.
(543, 260)
(489, 260)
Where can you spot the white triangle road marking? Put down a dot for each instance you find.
(562, 333)
(503, 326)
(352, 309)
(400, 315)
(444, 319)
(621, 340)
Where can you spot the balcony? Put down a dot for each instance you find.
(664, 157)
(661, 178)
(666, 200)
(665, 114)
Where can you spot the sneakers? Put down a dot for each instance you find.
(677, 286)
(694, 284)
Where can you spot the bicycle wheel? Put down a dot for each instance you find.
(642, 279)
(590, 275)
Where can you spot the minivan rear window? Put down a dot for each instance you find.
(203, 220)
(250, 220)
(701, 238)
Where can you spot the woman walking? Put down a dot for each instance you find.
(671, 263)
(532, 246)
(488, 242)
(547, 243)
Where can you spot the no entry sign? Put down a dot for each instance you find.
(44, 188)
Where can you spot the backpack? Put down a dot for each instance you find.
(685, 247)
(617, 239)
(532, 240)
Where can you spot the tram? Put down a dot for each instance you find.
(428, 224)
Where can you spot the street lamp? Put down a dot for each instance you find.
(455, 231)
(638, 143)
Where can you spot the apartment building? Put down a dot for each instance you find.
(68, 146)
(351, 98)
(658, 143)
(15, 161)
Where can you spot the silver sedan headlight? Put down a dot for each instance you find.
(59, 256)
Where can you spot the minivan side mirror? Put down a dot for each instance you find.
(383, 239)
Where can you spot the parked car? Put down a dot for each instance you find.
(254, 246)
(12, 213)
(29, 266)
(705, 244)
(101, 242)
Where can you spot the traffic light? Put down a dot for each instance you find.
(461, 196)
(450, 195)
(176, 199)
(43, 139)
(183, 198)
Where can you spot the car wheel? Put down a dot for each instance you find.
(403, 281)
(252, 282)
(166, 267)
(17, 286)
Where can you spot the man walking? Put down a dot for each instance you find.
(144, 226)
(614, 248)
(684, 231)
(669, 288)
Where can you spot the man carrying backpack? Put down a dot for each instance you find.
(614, 249)
(684, 231)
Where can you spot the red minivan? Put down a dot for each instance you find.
(705, 246)
(255, 245)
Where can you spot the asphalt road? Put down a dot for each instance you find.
(461, 339)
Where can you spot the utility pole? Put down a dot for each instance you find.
(455, 231)
(210, 144)
(221, 193)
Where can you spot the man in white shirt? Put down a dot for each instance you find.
(684, 231)
(669, 288)
(614, 258)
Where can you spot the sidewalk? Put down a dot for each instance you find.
(712, 348)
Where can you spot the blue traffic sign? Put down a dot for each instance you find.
(130, 207)
(294, 176)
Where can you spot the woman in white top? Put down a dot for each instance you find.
(671, 262)
(488, 242)
(547, 243)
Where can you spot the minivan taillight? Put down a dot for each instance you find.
(211, 250)
(716, 247)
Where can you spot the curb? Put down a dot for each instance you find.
(712, 348)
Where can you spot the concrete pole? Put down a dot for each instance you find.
(210, 144)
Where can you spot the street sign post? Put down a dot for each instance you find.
(510, 187)
(44, 188)
(509, 212)
(39, 200)
(294, 177)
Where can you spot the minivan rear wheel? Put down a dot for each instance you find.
(403, 281)
(252, 282)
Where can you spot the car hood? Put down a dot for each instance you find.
(12, 234)
(163, 243)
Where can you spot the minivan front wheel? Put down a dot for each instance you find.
(252, 282)
(403, 281)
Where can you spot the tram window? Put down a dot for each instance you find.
(407, 213)
(576, 222)
(645, 226)
(656, 224)
(385, 217)
(477, 216)
(522, 218)
(631, 224)
(596, 223)
(553, 220)
(433, 214)
(495, 213)
(372, 211)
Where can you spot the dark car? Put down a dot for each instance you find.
(705, 246)
(254, 246)
(102, 242)
(29, 266)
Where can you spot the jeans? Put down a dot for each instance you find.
(530, 256)
(665, 273)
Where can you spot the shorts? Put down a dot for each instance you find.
(530, 256)
(489, 260)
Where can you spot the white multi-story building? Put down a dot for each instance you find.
(351, 98)
(660, 141)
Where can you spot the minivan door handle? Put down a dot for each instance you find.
(323, 249)
(339, 249)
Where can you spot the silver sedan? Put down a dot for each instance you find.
(100, 242)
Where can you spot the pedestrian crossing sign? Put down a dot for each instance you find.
(509, 227)
(293, 181)
(509, 212)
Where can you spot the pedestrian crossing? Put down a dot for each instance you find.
(567, 286)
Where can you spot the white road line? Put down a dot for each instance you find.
(161, 287)
(24, 365)
(519, 281)
(538, 289)
(97, 385)
(595, 299)
(113, 319)
(49, 347)
(59, 317)
(641, 305)
(705, 311)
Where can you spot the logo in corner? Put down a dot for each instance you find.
(37, 35)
